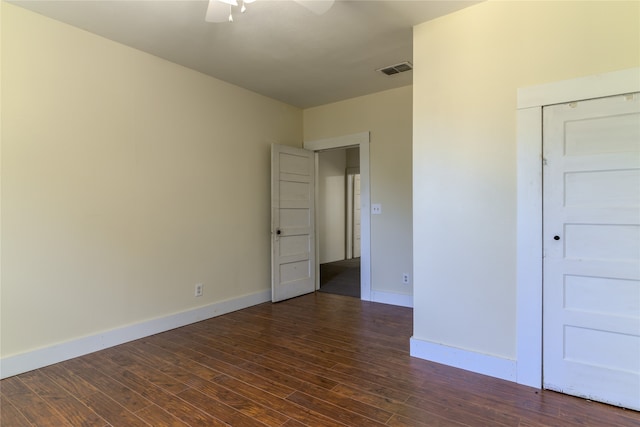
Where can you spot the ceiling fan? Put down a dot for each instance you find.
(222, 10)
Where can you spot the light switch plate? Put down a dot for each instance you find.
(376, 209)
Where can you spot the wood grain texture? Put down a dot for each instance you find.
(316, 360)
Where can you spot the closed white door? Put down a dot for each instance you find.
(292, 222)
(591, 239)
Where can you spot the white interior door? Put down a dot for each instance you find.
(292, 222)
(591, 239)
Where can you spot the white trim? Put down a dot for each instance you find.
(338, 142)
(14, 365)
(529, 188)
(485, 364)
(402, 300)
(359, 139)
(597, 86)
(529, 247)
(316, 170)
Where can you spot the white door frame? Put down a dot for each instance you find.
(531, 100)
(361, 140)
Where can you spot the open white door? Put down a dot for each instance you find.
(592, 249)
(292, 222)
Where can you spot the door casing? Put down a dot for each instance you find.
(531, 100)
(360, 140)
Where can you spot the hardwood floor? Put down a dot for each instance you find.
(316, 360)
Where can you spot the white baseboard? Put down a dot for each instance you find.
(391, 298)
(493, 366)
(24, 362)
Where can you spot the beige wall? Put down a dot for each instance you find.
(1, 127)
(331, 208)
(468, 66)
(353, 158)
(126, 180)
(387, 115)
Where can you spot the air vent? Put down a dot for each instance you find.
(396, 69)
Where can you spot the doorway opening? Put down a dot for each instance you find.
(338, 221)
(360, 140)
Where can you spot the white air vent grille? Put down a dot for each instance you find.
(396, 69)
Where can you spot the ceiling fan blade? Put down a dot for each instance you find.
(217, 12)
(316, 6)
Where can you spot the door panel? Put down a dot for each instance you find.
(292, 222)
(591, 238)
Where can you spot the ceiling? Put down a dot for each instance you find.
(277, 48)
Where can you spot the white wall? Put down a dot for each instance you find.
(387, 115)
(331, 207)
(126, 180)
(468, 66)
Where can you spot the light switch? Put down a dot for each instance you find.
(376, 209)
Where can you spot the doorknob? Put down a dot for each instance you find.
(278, 232)
(556, 237)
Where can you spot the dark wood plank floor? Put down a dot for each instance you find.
(317, 360)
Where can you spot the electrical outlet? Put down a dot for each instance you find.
(376, 209)
(405, 278)
(198, 291)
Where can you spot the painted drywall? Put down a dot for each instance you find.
(353, 158)
(126, 180)
(331, 205)
(387, 116)
(1, 127)
(468, 66)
